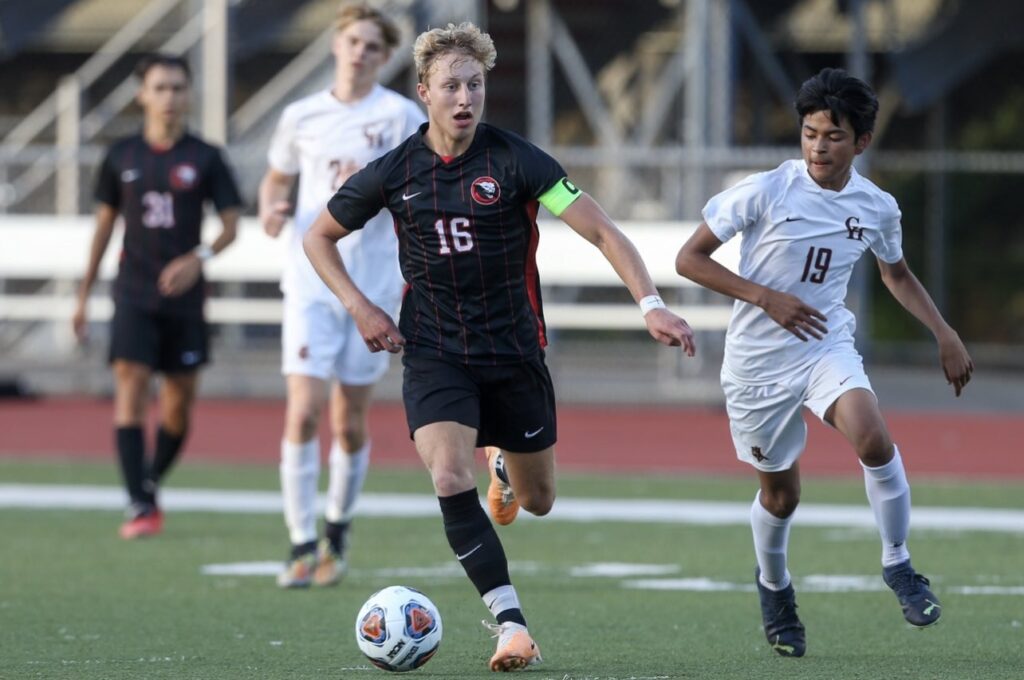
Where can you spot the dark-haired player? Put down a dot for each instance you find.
(464, 197)
(159, 181)
(790, 341)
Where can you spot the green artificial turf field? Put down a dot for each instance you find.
(611, 599)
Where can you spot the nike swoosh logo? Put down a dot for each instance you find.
(130, 175)
(462, 557)
(793, 219)
(531, 435)
(406, 197)
(845, 379)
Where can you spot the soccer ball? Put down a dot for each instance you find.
(398, 629)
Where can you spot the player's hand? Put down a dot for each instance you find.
(274, 218)
(956, 362)
(179, 275)
(80, 322)
(378, 329)
(671, 330)
(794, 315)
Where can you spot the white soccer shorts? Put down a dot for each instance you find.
(320, 339)
(766, 421)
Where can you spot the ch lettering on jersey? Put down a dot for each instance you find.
(158, 210)
(376, 134)
(853, 232)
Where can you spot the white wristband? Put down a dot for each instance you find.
(651, 302)
(203, 252)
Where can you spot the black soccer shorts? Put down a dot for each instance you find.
(169, 343)
(511, 406)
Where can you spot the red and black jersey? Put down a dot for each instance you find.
(467, 235)
(161, 196)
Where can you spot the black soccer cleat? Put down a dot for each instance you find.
(920, 606)
(782, 627)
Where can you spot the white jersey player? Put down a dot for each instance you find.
(323, 139)
(790, 340)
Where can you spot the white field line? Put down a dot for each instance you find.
(84, 497)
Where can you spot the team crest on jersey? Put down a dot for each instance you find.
(376, 134)
(184, 176)
(485, 190)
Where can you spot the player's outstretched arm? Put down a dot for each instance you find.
(274, 208)
(590, 221)
(908, 291)
(695, 263)
(105, 216)
(375, 325)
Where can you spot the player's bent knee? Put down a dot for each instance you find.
(538, 503)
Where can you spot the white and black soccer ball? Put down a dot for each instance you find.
(398, 629)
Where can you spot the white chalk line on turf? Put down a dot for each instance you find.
(716, 513)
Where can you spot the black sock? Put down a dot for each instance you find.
(303, 549)
(131, 453)
(335, 533)
(167, 448)
(476, 545)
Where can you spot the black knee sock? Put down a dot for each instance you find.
(167, 448)
(477, 547)
(131, 453)
(335, 532)
(474, 541)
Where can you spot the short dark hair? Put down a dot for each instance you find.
(169, 60)
(842, 95)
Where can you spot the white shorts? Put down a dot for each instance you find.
(320, 339)
(766, 421)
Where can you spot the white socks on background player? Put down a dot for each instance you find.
(300, 470)
(771, 539)
(347, 473)
(889, 496)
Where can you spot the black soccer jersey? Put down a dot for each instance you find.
(467, 235)
(161, 195)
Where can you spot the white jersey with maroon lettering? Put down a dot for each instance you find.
(325, 141)
(804, 240)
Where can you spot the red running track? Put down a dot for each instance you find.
(627, 438)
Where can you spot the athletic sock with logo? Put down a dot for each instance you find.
(131, 453)
(300, 470)
(478, 549)
(771, 540)
(889, 495)
(168, 446)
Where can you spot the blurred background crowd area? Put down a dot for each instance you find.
(651, 105)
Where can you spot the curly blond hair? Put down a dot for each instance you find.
(466, 39)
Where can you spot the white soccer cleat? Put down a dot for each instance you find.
(516, 649)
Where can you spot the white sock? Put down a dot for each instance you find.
(300, 471)
(501, 598)
(347, 473)
(889, 496)
(771, 539)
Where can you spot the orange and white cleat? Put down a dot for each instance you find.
(500, 500)
(330, 566)
(147, 523)
(516, 649)
(298, 572)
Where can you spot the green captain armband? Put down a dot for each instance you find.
(559, 197)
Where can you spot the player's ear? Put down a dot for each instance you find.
(423, 93)
(863, 142)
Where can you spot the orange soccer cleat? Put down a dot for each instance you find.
(500, 500)
(148, 523)
(516, 649)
